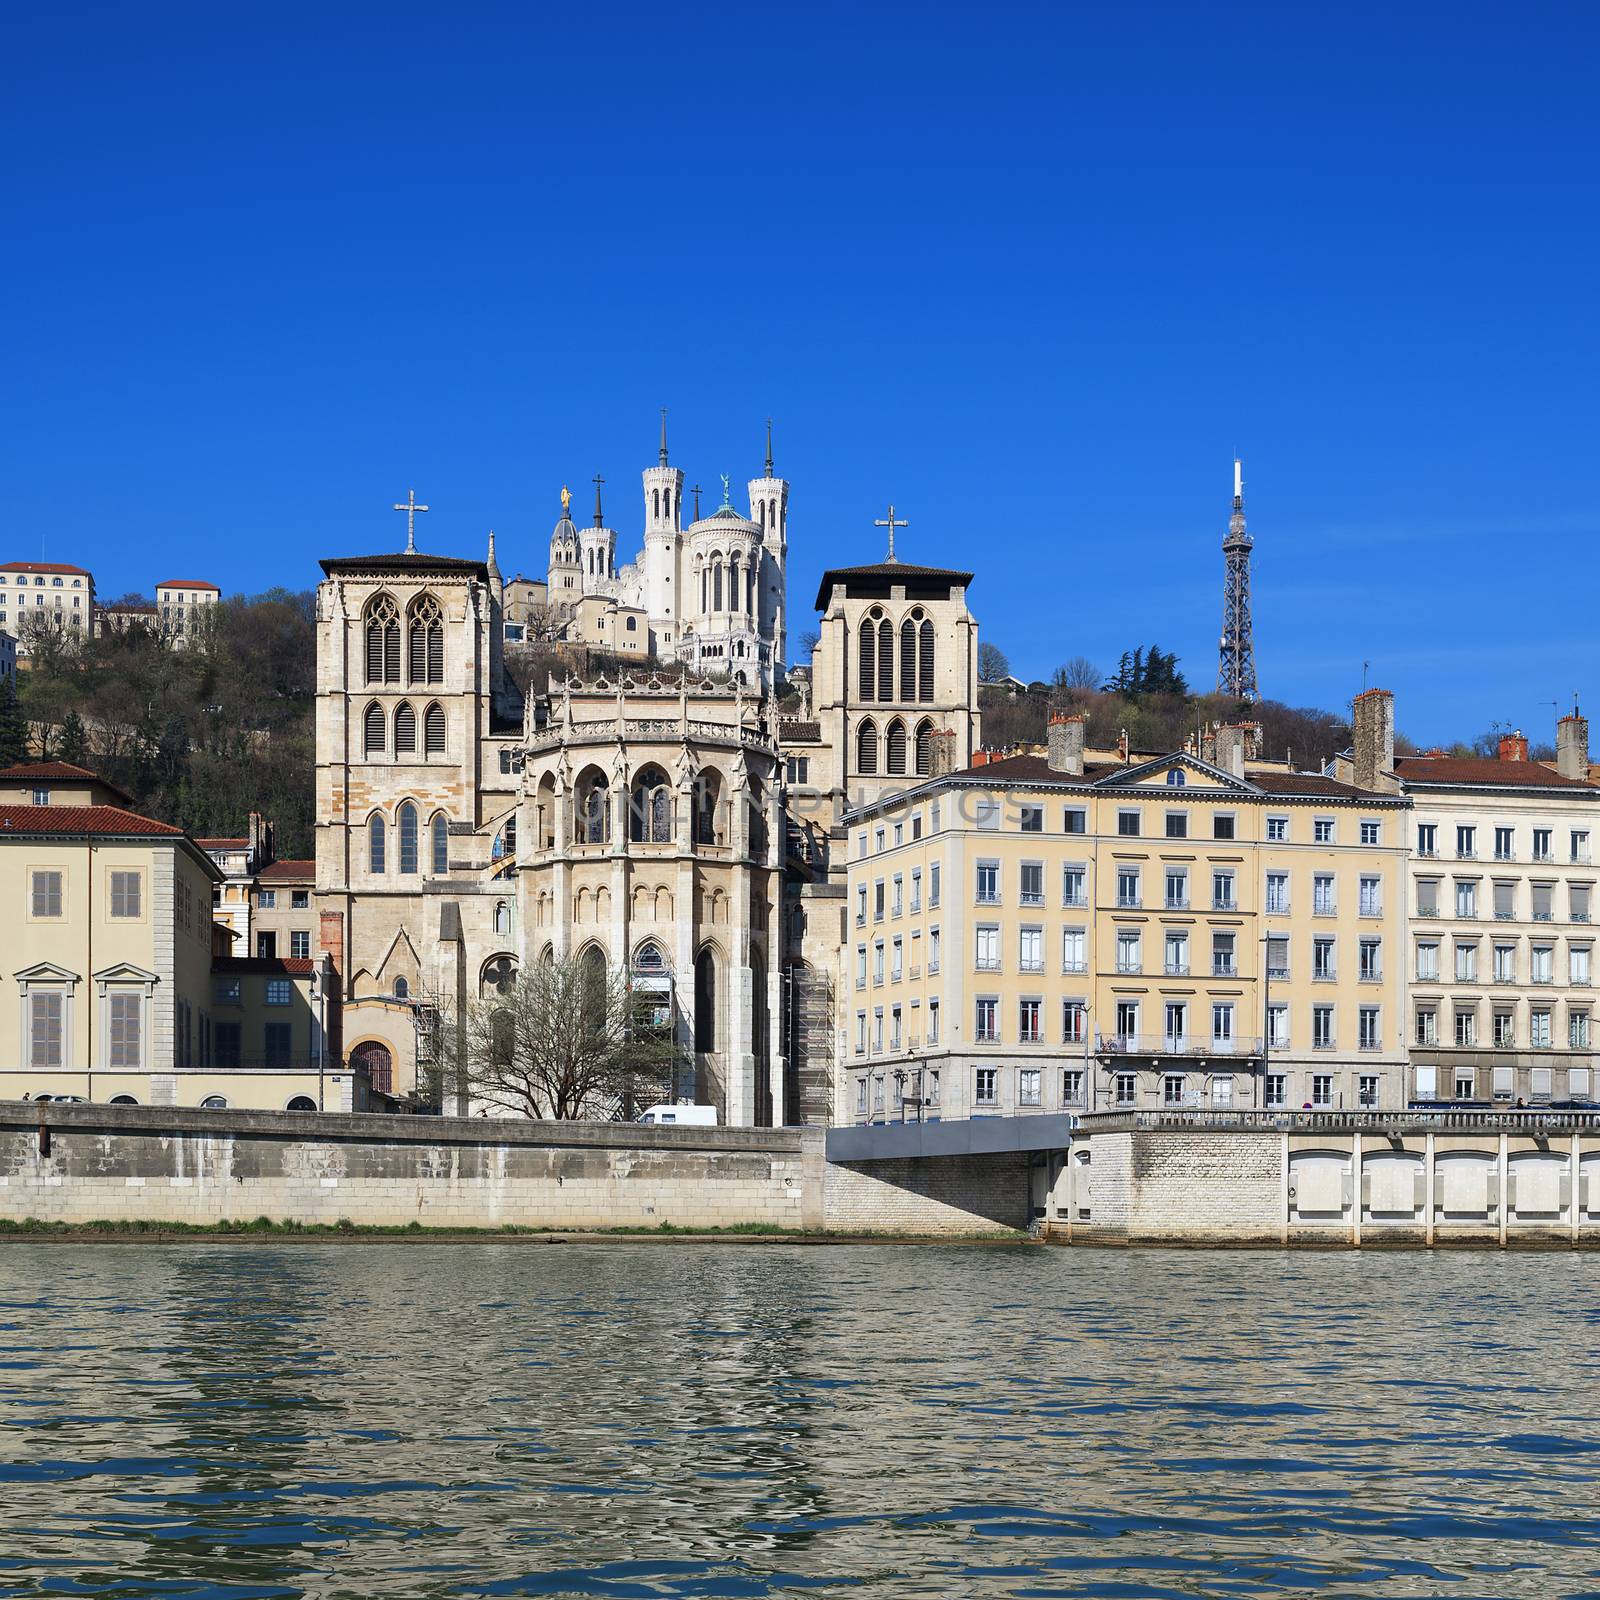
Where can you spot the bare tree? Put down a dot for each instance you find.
(992, 664)
(562, 1039)
(1078, 673)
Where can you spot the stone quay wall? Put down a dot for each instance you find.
(94, 1163)
(944, 1195)
(1367, 1180)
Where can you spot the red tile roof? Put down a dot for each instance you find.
(188, 583)
(79, 821)
(222, 844)
(290, 869)
(46, 769)
(1037, 769)
(42, 566)
(1483, 770)
(272, 966)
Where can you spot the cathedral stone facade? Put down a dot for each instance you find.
(664, 819)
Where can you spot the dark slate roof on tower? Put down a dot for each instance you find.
(407, 562)
(882, 574)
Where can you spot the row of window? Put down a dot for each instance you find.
(988, 813)
(1503, 1031)
(220, 1042)
(1467, 900)
(895, 748)
(424, 639)
(375, 726)
(1505, 842)
(45, 894)
(877, 679)
(38, 583)
(1465, 1083)
(407, 839)
(1503, 967)
(299, 899)
(888, 894)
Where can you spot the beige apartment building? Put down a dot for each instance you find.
(178, 606)
(283, 920)
(45, 593)
(1501, 945)
(1059, 934)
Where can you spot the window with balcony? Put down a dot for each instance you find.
(1427, 1025)
(1579, 845)
(879, 900)
(1503, 1029)
(933, 884)
(1578, 902)
(1278, 1026)
(1466, 900)
(1542, 850)
(986, 1022)
(1277, 957)
(1505, 902)
(1427, 839)
(987, 956)
(897, 900)
(1177, 896)
(1578, 965)
(1028, 1090)
(1278, 893)
(933, 949)
(916, 890)
(1322, 960)
(988, 888)
(1072, 1086)
(1428, 960)
(1175, 1025)
(1032, 890)
(1322, 1027)
(1466, 1085)
(1074, 950)
(1370, 901)
(877, 961)
(861, 966)
(1032, 950)
(1427, 897)
(1505, 844)
(1323, 902)
(1028, 1030)
(1544, 902)
(1541, 963)
(1466, 1025)
(1466, 843)
(1502, 1082)
(1370, 969)
(1127, 1019)
(861, 906)
(1127, 887)
(1128, 957)
(933, 1034)
(1175, 961)
(1466, 962)
(1223, 964)
(1222, 892)
(1369, 1033)
(986, 1086)
(1578, 1029)
(1074, 1021)
(1074, 885)
(897, 959)
(1123, 1089)
(1539, 1029)
(1222, 1024)
(894, 1034)
(1322, 1091)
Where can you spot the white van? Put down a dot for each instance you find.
(682, 1115)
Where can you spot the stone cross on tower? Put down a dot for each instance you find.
(891, 522)
(411, 508)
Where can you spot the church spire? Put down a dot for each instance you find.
(769, 447)
(663, 436)
(599, 515)
(492, 564)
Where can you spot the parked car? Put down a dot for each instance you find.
(60, 1099)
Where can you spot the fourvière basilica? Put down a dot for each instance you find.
(674, 813)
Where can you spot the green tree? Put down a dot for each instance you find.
(73, 744)
(13, 730)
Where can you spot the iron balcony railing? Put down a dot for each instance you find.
(1176, 1044)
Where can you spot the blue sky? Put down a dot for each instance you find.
(1032, 273)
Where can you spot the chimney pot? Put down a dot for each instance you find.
(1066, 742)
(1572, 746)
(1373, 717)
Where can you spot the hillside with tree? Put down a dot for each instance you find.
(200, 735)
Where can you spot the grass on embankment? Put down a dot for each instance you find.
(265, 1227)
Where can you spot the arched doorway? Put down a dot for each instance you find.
(374, 1059)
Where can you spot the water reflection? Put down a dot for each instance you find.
(652, 1420)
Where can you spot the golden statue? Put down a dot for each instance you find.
(566, 499)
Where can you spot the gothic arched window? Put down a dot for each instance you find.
(735, 587)
(433, 730)
(373, 730)
(908, 660)
(405, 728)
(592, 814)
(925, 662)
(705, 1002)
(498, 977)
(374, 843)
(425, 631)
(924, 748)
(405, 822)
(886, 660)
(655, 497)
(867, 748)
(383, 640)
(716, 584)
(869, 671)
(440, 830)
(650, 807)
(707, 798)
(897, 748)
(502, 920)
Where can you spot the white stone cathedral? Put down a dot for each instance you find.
(712, 595)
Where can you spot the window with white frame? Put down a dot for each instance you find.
(1322, 960)
(933, 884)
(987, 815)
(1578, 1029)
(1466, 1019)
(1322, 1027)
(1369, 1032)
(1505, 963)
(1032, 884)
(988, 884)
(1466, 842)
(1222, 891)
(1370, 830)
(127, 894)
(1028, 1028)
(1074, 885)
(1074, 950)
(1074, 820)
(1466, 898)
(1504, 844)
(1278, 1026)
(1323, 901)
(986, 1023)
(1072, 1086)
(1128, 824)
(1128, 955)
(1541, 963)
(1427, 1025)
(1030, 819)
(1539, 1028)
(1277, 1091)
(1322, 830)
(1427, 839)
(1028, 1086)
(1177, 897)
(1370, 968)
(1503, 1029)
(916, 890)
(1222, 1022)
(1466, 961)
(1428, 960)
(987, 955)
(986, 1086)
(1074, 1021)
(877, 961)
(897, 954)
(1322, 1091)
(1175, 959)
(1277, 829)
(1124, 1088)
(1031, 954)
(1278, 893)
(1222, 956)
(1128, 887)
(1371, 897)
(933, 949)
(861, 966)
(1578, 964)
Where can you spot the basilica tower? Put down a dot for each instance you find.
(769, 510)
(663, 520)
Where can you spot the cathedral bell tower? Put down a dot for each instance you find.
(597, 550)
(769, 510)
(566, 571)
(663, 522)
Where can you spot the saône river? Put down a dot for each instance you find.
(651, 1419)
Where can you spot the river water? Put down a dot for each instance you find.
(641, 1419)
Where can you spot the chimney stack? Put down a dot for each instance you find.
(1572, 746)
(1230, 748)
(1066, 742)
(1514, 746)
(944, 752)
(1374, 740)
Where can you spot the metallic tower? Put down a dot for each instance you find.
(1236, 672)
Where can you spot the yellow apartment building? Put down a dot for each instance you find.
(1045, 934)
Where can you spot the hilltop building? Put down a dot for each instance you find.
(48, 593)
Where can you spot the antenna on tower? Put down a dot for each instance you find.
(769, 447)
(1236, 668)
